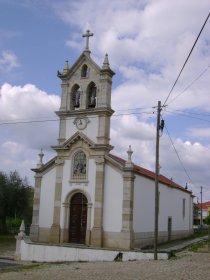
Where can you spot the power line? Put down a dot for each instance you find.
(181, 113)
(181, 163)
(26, 122)
(192, 117)
(189, 113)
(186, 60)
(187, 87)
(53, 120)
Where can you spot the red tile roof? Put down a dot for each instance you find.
(149, 174)
(205, 205)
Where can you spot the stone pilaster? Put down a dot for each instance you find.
(64, 96)
(55, 228)
(62, 130)
(34, 229)
(87, 241)
(127, 213)
(97, 231)
(104, 130)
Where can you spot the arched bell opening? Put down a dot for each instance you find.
(91, 95)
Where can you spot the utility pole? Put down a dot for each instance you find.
(157, 165)
(201, 207)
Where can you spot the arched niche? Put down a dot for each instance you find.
(91, 95)
(75, 97)
(84, 71)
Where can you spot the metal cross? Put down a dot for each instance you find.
(87, 35)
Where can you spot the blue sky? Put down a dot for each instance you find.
(147, 42)
(32, 32)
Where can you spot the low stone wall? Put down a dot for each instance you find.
(37, 252)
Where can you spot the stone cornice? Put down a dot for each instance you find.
(86, 112)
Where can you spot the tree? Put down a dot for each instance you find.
(15, 198)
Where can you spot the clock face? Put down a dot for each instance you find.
(81, 123)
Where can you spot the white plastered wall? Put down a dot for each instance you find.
(91, 129)
(170, 205)
(113, 197)
(144, 197)
(47, 199)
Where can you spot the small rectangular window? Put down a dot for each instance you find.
(183, 207)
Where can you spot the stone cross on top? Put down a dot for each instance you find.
(87, 35)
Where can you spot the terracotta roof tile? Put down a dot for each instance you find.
(150, 174)
(205, 205)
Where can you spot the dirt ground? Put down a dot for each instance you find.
(7, 247)
(186, 265)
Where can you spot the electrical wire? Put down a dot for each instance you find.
(26, 122)
(186, 61)
(180, 161)
(53, 120)
(179, 112)
(192, 117)
(187, 87)
(189, 113)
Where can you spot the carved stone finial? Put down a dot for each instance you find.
(41, 155)
(106, 62)
(129, 160)
(87, 35)
(22, 229)
(66, 67)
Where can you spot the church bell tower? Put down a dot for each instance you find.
(86, 100)
(85, 113)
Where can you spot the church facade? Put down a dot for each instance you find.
(85, 194)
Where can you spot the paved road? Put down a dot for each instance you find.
(186, 266)
(4, 264)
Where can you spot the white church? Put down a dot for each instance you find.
(87, 195)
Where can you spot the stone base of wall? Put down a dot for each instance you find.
(121, 240)
(115, 240)
(30, 251)
(142, 239)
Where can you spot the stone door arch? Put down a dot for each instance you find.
(78, 218)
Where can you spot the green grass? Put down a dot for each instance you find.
(198, 246)
(9, 238)
(24, 268)
(199, 234)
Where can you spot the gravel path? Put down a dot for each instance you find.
(187, 266)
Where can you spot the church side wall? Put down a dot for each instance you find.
(144, 198)
(174, 222)
(112, 215)
(46, 204)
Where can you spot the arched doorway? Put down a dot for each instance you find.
(78, 219)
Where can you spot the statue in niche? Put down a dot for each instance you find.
(84, 71)
(79, 164)
(80, 169)
(77, 99)
(92, 97)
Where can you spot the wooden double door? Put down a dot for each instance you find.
(78, 219)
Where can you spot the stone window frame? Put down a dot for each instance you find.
(78, 178)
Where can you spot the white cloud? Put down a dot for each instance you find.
(20, 143)
(26, 102)
(8, 61)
